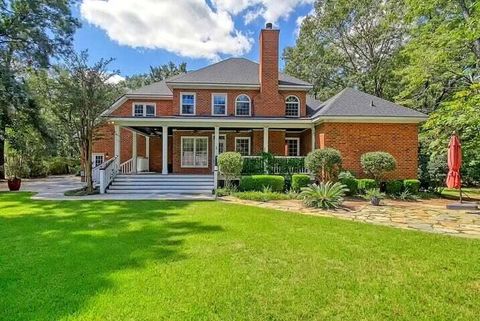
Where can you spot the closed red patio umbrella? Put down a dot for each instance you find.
(454, 163)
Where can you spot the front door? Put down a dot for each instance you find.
(222, 147)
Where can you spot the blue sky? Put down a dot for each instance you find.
(200, 32)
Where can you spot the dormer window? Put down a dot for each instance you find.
(144, 110)
(187, 104)
(292, 106)
(243, 105)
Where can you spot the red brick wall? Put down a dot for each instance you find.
(163, 107)
(355, 139)
(104, 142)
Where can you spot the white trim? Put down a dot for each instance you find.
(144, 107)
(164, 150)
(295, 87)
(226, 104)
(298, 145)
(299, 104)
(194, 103)
(368, 119)
(95, 155)
(220, 136)
(235, 86)
(194, 151)
(249, 144)
(250, 105)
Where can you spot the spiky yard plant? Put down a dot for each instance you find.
(325, 195)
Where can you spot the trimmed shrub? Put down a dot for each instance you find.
(376, 164)
(259, 182)
(394, 187)
(299, 181)
(347, 179)
(230, 165)
(324, 163)
(412, 185)
(326, 195)
(365, 184)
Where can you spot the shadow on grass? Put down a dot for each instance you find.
(54, 256)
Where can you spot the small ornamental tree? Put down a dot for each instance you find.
(377, 164)
(324, 163)
(230, 165)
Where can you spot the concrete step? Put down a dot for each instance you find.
(160, 187)
(160, 183)
(166, 181)
(159, 176)
(155, 191)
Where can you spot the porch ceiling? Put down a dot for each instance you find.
(157, 131)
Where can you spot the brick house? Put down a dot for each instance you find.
(178, 126)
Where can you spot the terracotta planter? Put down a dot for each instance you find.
(14, 184)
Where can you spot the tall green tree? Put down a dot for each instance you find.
(31, 33)
(81, 93)
(349, 43)
(157, 73)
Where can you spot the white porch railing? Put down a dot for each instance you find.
(127, 167)
(96, 175)
(108, 171)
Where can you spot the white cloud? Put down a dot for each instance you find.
(189, 28)
(299, 21)
(115, 79)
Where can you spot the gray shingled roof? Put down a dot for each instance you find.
(352, 102)
(232, 71)
(312, 105)
(157, 88)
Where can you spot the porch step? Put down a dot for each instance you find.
(148, 184)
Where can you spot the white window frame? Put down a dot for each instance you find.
(249, 144)
(144, 107)
(213, 104)
(194, 151)
(250, 106)
(94, 155)
(297, 139)
(298, 104)
(194, 103)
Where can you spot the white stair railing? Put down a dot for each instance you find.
(96, 175)
(127, 167)
(108, 171)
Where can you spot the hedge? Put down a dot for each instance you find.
(299, 181)
(394, 187)
(412, 185)
(351, 184)
(366, 184)
(259, 182)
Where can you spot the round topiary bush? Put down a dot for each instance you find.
(377, 164)
(230, 165)
(324, 163)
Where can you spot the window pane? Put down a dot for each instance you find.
(292, 106)
(201, 152)
(188, 103)
(187, 151)
(242, 146)
(138, 111)
(292, 147)
(219, 104)
(150, 110)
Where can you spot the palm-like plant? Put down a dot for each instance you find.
(326, 195)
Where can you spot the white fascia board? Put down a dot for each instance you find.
(120, 101)
(209, 122)
(369, 119)
(292, 87)
(211, 86)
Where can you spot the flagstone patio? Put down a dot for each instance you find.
(424, 215)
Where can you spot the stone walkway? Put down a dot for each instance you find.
(426, 216)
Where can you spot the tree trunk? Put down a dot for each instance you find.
(2, 157)
(88, 164)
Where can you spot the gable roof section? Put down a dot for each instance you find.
(312, 105)
(233, 71)
(354, 103)
(159, 88)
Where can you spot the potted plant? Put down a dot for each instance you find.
(14, 171)
(374, 196)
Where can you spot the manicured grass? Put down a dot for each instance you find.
(472, 193)
(149, 260)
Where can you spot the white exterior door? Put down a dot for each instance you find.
(222, 147)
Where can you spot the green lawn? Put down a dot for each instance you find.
(472, 193)
(152, 260)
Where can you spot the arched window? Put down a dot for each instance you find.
(242, 105)
(292, 106)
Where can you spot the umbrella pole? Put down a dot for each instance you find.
(460, 194)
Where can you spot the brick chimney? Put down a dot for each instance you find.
(270, 101)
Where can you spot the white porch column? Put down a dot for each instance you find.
(147, 147)
(134, 152)
(216, 144)
(117, 140)
(313, 138)
(164, 150)
(265, 139)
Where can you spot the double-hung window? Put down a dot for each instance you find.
(97, 159)
(187, 103)
(195, 152)
(219, 104)
(292, 106)
(293, 146)
(242, 145)
(243, 105)
(144, 110)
